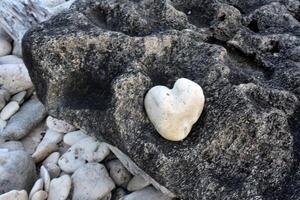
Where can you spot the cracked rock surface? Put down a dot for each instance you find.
(92, 66)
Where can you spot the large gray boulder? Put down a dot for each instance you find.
(93, 64)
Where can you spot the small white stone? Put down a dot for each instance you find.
(40, 195)
(59, 125)
(10, 59)
(87, 150)
(33, 139)
(38, 185)
(47, 145)
(52, 158)
(53, 3)
(9, 110)
(5, 47)
(53, 170)
(2, 124)
(137, 183)
(60, 188)
(15, 78)
(174, 111)
(91, 181)
(148, 193)
(14, 195)
(46, 178)
(19, 97)
(74, 137)
(118, 173)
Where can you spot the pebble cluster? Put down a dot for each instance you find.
(45, 158)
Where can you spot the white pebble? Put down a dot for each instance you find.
(10, 59)
(137, 183)
(46, 178)
(9, 110)
(174, 111)
(52, 158)
(19, 97)
(59, 125)
(5, 47)
(14, 195)
(74, 137)
(47, 145)
(40, 195)
(60, 188)
(38, 185)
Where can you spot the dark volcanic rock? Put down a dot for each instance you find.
(93, 64)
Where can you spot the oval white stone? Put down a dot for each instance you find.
(174, 111)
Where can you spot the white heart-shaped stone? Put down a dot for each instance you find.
(174, 111)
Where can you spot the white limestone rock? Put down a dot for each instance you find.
(47, 145)
(137, 183)
(59, 125)
(74, 137)
(148, 193)
(91, 181)
(15, 77)
(46, 178)
(9, 110)
(60, 188)
(174, 111)
(40, 195)
(4, 97)
(10, 59)
(86, 151)
(52, 158)
(14, 195)
(38, 185)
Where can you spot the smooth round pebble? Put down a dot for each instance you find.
(59, 125)
(14, 195)
(53, 169)
(3, 124)
(39, 195)
(52, 158)
(38, 185)
(46, 178)
(9, 110)
(118, 172)
(60, 188)
(137, 183)
(74, 137)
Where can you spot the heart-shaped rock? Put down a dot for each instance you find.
(173, 112)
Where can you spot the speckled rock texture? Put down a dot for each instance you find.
(93, 64)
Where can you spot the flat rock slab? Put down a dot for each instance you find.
(93, 65)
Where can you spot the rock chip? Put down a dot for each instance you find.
(137, 183)
(118, 173)
(85, 151)
(59, 125)
(28, 117)
(74, 137)
(47, 145)
(148, 193)
(15, 77)
(60, 188)
(40, 195)
(14, 195)
(91, 181)
(38, 185)
(9, 110)
(17, 171)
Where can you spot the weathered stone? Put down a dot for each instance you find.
(93, 65)
(60, 188)
(40, 195)
(148, 193)
(118, 173)
(14, 195)
(17, 171)
(38, 185)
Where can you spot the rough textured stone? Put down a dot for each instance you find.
(93, 64)
(17, 171)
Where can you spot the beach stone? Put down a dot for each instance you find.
(14, 195)
(5, 47)
(82, 152)
(17, 49)
(59, 125)
(38, 185)
(52, 158)
(9, 110)
(53, 170)
(48, 145)
(91, 181)
(137, 183)
(148, 193)
(15, 77)
(118, 173)
(60, 188)
(74, 137)
(40, 195)
(28, 117)
(46, 178)
(106, 55)
(10, 59)
(17, 171)
(19, 97)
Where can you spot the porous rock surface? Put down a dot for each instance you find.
(93, 64)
